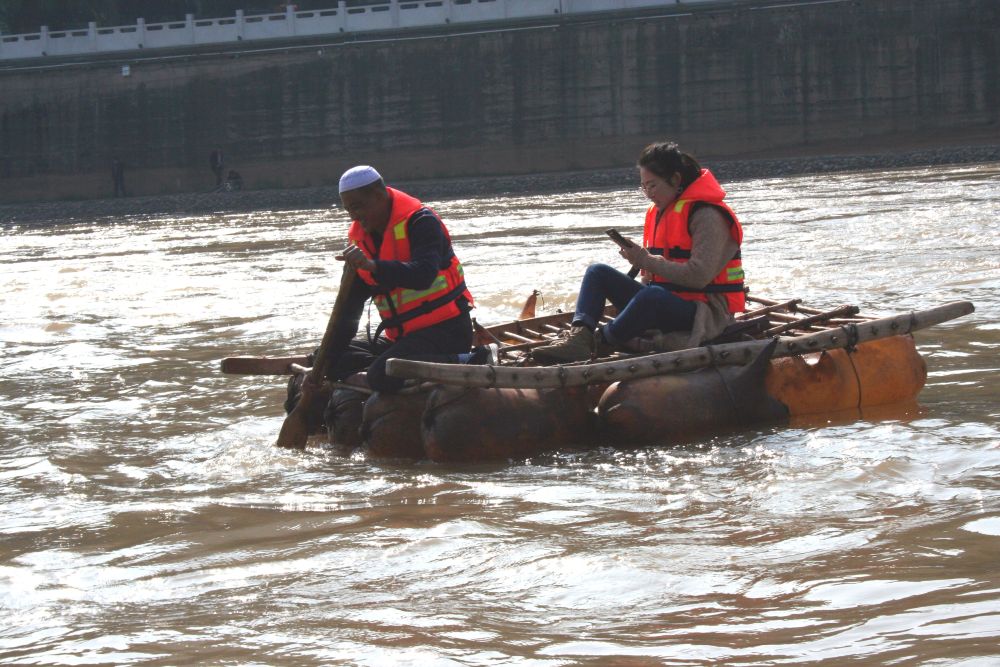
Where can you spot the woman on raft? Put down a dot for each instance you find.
(691, 281)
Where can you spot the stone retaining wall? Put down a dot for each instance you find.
(563, 95)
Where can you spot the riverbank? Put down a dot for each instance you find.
(727, 170)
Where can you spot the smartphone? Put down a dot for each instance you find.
(618, 238)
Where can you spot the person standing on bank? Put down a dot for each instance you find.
(691, 272)
(217, 162)
(405, 261)
(118, 176)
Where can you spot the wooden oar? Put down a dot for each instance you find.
(672, 362)
(261, 365)
(295, 431)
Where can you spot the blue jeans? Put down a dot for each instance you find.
(640, 307)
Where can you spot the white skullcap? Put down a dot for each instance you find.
(358, 177)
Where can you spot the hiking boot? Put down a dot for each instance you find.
(578, 346)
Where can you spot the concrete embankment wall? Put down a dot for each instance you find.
(563, 95)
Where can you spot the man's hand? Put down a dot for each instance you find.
(356, 257)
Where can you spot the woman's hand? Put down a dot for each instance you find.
(636, 255)
(356, 257)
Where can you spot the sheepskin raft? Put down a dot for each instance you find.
(778, 361)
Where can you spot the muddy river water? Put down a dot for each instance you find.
(146, 518)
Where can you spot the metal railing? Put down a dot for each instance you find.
(340, 17)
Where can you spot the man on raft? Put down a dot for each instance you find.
(691, 273)
(403, 255)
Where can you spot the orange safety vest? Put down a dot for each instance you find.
(666, 233)
(405, 310)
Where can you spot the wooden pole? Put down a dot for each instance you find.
(842, 311)
(789, 305)
(673, 362)
(295, 431)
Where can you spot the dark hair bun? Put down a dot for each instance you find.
(664, 158)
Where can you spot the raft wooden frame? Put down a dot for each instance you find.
(574, 375)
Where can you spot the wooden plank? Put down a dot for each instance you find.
(523, 339)
(555, 319)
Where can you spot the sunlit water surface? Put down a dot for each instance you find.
(146, 517)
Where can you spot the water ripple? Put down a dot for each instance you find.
(146, 517)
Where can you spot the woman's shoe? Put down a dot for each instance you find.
(578, 346)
